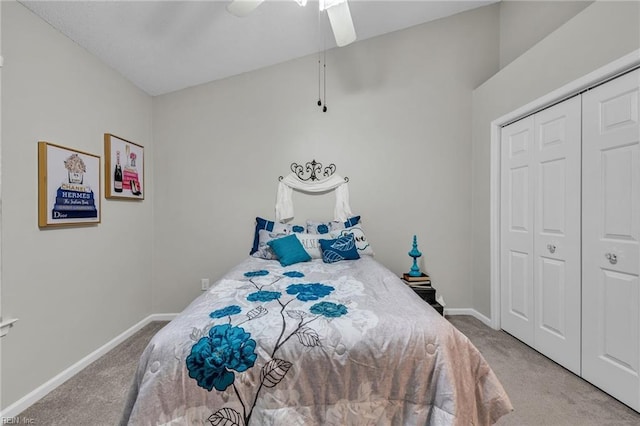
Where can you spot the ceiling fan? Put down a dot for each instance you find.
(337, 10)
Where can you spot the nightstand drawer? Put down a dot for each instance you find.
(438, 307)
(428, 294)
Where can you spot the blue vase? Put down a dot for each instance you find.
(415, 254)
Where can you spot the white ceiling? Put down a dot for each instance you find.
(163, 46)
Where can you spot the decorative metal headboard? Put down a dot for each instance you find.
(313, 169)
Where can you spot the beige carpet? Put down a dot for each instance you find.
(542, 392)
(96, 395)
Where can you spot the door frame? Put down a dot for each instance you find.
(1, 64)
(599, 76)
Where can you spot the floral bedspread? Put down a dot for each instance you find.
(312, 344)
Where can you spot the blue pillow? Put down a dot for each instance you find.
(289, 250)
(352, 221)
(343, 248)
(271, 226)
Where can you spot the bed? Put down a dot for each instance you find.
(335, 339)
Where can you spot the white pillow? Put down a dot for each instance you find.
(316, 227)
(264, 236)
(362, 244)
(311, 244)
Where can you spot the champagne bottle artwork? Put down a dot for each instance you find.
(117, 174)
(131, 180)
(124, 171)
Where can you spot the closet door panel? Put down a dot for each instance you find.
(517, 305)
(557, 233)
(619, 294)
(611, 234)
(618, 165)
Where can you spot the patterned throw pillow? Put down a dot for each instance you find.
(269, 225)
(264, 250)
(362, 244)
(343, 248)
(314, 227)
(289, 250)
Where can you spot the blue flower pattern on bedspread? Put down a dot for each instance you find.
(227, 349)
(264, 296)
(328, 309)
(306, 292)
(259, 273)
(226, 312)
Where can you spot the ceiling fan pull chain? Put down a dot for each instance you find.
(319, 56)
(322, 70)
(319, 77)
(324, 75)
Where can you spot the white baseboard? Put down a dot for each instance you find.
(161, 317)
(468, 311)
(34, 396)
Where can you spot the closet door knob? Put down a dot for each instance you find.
(612, 258)
(551, 248)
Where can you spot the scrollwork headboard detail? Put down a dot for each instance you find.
(311, 170)
(312, 178)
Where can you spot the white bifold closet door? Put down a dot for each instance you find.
(540, 231)
(610, 233)
(516, 233)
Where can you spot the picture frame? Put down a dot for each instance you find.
(69, 186)
(123, 168)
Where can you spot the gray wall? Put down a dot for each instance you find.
(601, 33)
(72, 289)
(398, 125)
(524, 23)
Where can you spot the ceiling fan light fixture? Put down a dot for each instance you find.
(337, 11)
(326, 4)
(242, 8)
(341, 22)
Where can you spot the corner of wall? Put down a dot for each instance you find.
(525, 23)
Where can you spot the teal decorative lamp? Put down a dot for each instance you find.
(415, 253)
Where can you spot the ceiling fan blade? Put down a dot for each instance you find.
(242, 8)
(341, 23)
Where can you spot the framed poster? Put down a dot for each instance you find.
(123, 168)
(68, 186)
